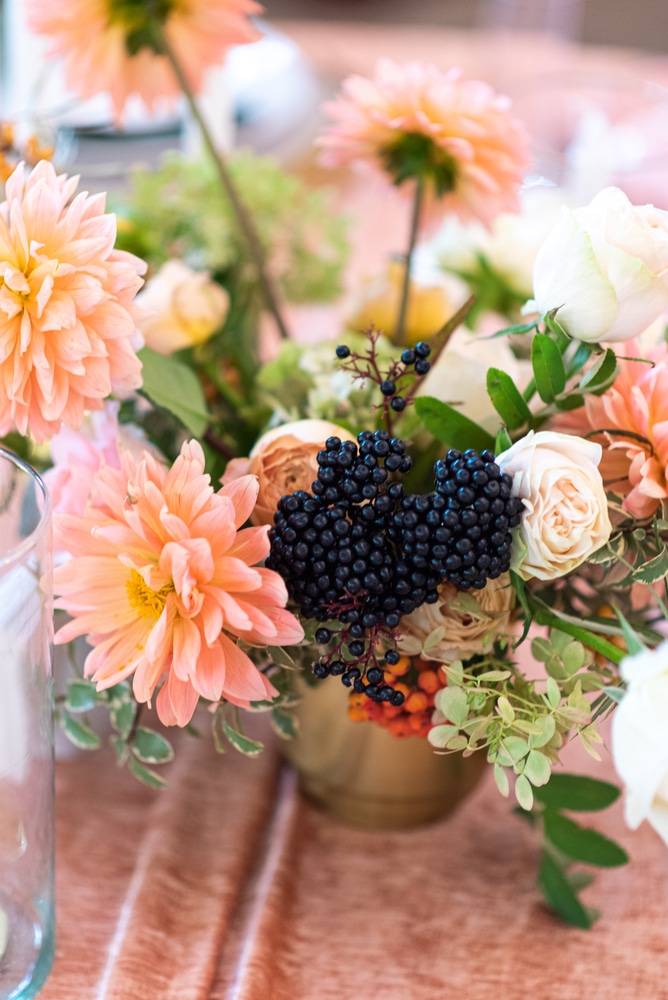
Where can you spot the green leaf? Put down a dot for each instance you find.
(501, 779)
(450, 426)
(577, 793)
(502, 441)
(537, 768)
(145, 774)
(548, 367)
(174, 386)
(507, 399)
(81, 696)
(524, 792)
(79, 733)
(553, 693)
(281, 657)
(571, 402)
(246, 746)
(559, 894)
(601, 374)
(580, 843)
(547, 726)
(151, 748)
(654, 570)
(284, 724)
(122, 715)
(517, 329)
(515, 747)
(634, 643)
(454, 704)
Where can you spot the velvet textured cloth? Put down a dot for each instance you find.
(229, 885)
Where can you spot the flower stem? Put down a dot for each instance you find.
(400, 335)
(244, 219)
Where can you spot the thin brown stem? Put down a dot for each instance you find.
(400, 335)
(218, 445)
(440, 340)
(244, 219)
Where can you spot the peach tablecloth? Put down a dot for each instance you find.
(230, 886)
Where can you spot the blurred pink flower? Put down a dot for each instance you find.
(164, 579)
(475, 140)
(630, 421)
(78, 455)
(91, 36)
(65, 298)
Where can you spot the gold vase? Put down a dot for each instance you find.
(363, 775)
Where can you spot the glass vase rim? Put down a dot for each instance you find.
(17, 552)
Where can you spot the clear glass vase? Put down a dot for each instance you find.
(26, 732)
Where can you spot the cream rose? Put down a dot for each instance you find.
(181, 308)
(565, 516)
(605, 268)
(459, 624)
(640, 739)
(284, 460)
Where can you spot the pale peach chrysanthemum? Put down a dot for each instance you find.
(630, 421)
(91, 36)
(164, 580)
(476, 145)
(65, 299)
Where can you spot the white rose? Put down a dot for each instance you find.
(640, 739)
(181, 308)
(605, 268)
(565, 516)
(459, 376)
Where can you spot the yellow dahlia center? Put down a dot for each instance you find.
(149, 603)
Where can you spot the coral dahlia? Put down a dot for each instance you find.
(414, 120)
(164, 580)
(65, 299)
(108, 45)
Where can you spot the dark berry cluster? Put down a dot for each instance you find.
(360, 550)
(393, 384)
(477, 513)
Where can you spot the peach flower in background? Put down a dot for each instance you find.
(66, 327)
(163, 580)
(77, 456)
(181, 308)
(92, 36)
(284, 460)
(474, 142)
(459, 625)
(630, 421)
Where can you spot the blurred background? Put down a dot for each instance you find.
(642, 24)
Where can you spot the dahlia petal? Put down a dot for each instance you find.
(243, 494)
(176, 701)
(242, 678)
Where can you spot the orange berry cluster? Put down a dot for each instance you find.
(419, 681)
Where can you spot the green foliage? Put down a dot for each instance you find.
(450, 426)
(162, 217)
(548, 367)
(507, 399)
(560, 895)
(174, 386)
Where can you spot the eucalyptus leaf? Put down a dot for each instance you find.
(537, 768)
(524, 792)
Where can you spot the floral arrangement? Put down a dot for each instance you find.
(389, 508)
